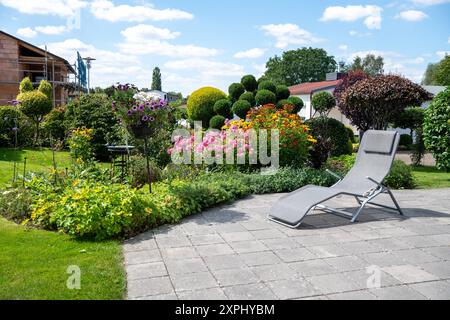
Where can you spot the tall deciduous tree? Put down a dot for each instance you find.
(156, 81)
(429, 78)
(438, 74)
(301, 65)
(370, 64)
(373, 102)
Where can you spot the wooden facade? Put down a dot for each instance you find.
(19, 59)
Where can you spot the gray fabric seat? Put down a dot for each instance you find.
(364, 182)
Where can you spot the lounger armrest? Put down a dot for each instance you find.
(376, 182)
(334, 174)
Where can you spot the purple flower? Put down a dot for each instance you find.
(141, 107)
(135, 108)
(129, 112)
(145, 118)
(152, 119)
(152, 108)
(14, 129)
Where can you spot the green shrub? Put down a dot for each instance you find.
(249, 82)
(223, 108)
(217, 122)
(15, 204)
(406, 140)
(282, 103)
(54, 124)
(200, 105)
(138, 170)
(46, 88)
(250, 97)
(25, 85)
(436, 129)
(241, 108)
(267, 85)
(235, 90)
(323, 102)
(9, 118)
(400, 177)
(94, 111)
(265, 97)
(282, 92)
(35, 105)
(351, 134)
(323, 128)
(297, 103)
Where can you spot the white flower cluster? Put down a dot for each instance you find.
(147, 96)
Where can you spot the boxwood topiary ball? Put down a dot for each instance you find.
(265, 97)
(200, 105)
(283, 92)
(217, 122)
(249, 82)
(297, 103)
(235, 90)
(267, 85)
(223, 108)
(250, 97)
(241, 108)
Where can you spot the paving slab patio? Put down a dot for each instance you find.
(233, 252)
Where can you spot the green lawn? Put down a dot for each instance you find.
(34, 265)
(38, 160)
(431, 178)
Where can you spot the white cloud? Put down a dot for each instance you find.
(287, 34)
(61, 8)
(207, 67)
(26, 32)
(143, 32)
(106, 10)
(429, 2)
(442, 54)
(163, 48)
(251, 54)
(51, 30)
(109, 67)
(260, 69)
(412, 15)
(355, 33)
(343, 47)
(371, 15)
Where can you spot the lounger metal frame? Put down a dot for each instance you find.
(362, 199)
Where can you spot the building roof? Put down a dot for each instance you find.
(311, 87)
(39, 50)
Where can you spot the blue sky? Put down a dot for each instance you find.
(204, 42)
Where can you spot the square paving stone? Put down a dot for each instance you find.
(397, 293)
(440, 252)
(260, 258)
(257, 225)
(149, 287)
(274, 272)
(420, 241)
(391, 244)
(332, 283)
(248, 246)
(185, 266)
(368, 234)
(173, 241)
(328, 251)
(179, 253)
(409, 274)
(353, 295)
(232, 277)
(229, 261)
(439, 290)
(203, 294)
(312, 268)
(229, 227)
(314, 240)
(342, 237)
(283, 243)
(363, 279)
(440, 269)
(194, 281)
(140, 257)
(292, 289)
(199, 240)
(297, 254)
(214, 250)
(396, 232)
(139, 245)
(237, 236)
(268, 234)
(257, 291)
(147, 270)
(415, 256)
(360, 247)
(382, 259)
(348, 263)
(164, 297)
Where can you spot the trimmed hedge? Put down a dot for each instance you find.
(297, 103)
(250, 97)
(241, 108)
(249, 82)
(267, 85)
(283, 92)
(223, 108)
(264, 97)
(217, 122)
(235, 90)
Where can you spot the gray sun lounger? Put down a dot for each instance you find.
(363, 182)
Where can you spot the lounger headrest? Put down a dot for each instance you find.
(379, 141)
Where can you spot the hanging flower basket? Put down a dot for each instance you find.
(141, 131)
